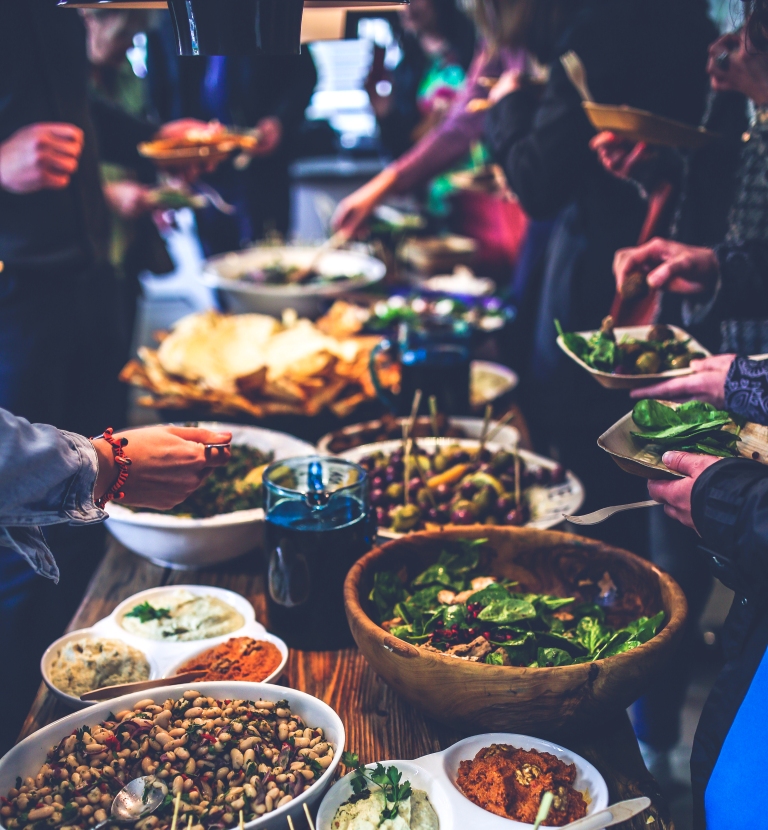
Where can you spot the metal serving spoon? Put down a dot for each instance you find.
(138, 799)
(616, 813)
(606, 513)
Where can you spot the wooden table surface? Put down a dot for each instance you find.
(379, 724)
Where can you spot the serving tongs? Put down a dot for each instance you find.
(110, 692)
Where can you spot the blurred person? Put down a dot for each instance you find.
(268, 93)
(50, 477)
(502, 25)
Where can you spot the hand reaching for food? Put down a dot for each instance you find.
(511, 81)
(670, 266)
(707, 383)
(352, 212)
(270, 131)
(676, 495)
(167, 464)
(620, 156)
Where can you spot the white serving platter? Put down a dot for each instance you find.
(182, 543)
(610, 380)
(27, 757)
(164, 658)
(436, 774)
(551, 502)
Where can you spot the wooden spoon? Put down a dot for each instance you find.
(109, 692)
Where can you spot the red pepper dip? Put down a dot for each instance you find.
(511, 782)
(240, 658)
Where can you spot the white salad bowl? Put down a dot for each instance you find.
(181, 543)
(27, 757)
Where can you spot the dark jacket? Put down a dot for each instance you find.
(44, 77)
(649, 54)
(730, 511)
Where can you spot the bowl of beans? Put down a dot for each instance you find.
(221, 749)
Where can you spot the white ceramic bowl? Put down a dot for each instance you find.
(175, 542)
(489, 381)
(437, 773)
(507, 437)
(28, 757)
(224, 272)
(548, 503)
(164, 657)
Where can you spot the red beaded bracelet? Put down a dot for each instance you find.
(115, 492)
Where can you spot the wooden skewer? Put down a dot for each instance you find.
(510, 416)
(309, 817)
(407, 431)
(189, 823)
(176, 805)
(484, 433)
(242, 822)
(431, 495)
(290, 823)
(433, 415)
(518, 488)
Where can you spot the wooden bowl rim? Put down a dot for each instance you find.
(404, 649)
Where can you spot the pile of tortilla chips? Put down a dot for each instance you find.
(254, 364)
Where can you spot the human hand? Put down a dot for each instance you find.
(191, 129)
(167, 464)
(40, 157)
(128, 199)
(734, 65)
(681, 269)
(707, 383)
(620, 156)
(352, 212)
(676, 495)
(270, 132)
(510, 81)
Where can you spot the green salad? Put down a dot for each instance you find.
(456, 608)
(691, 427)
(661, 351)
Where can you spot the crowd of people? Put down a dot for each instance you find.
(599, 209)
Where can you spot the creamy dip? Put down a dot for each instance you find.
(182, 616)
(85, 664)
(415, 813)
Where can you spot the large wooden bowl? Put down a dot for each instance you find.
(546, 701)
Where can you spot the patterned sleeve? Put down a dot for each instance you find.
(746, 389)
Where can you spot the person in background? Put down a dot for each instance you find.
(50, 477)
(502, 25)
(723, 501)
(268, 93)
(437, 43)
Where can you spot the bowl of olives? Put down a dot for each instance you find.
(452, 482)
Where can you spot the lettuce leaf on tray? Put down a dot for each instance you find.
(691, 427)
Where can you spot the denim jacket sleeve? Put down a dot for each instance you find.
(46, 477)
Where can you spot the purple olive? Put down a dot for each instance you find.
(515, 517)
(443, 493)
(462, 516)
(543, 476)
(377, 482)
(485, 467)
(505, 505)
(558, 475)
(460, 457)
(378, 498)
(392, 474)
(438, 515)
(382, 516)
(486, 455)
(508, 481)
(396, 455)
(468, 489)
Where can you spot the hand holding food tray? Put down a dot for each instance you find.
(212, 144)
(632, 357)
(638, 441)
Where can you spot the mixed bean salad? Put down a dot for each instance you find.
(222, 756)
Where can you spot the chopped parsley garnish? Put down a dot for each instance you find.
(146, 613)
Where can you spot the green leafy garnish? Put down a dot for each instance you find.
(388, 779)
(146, 613)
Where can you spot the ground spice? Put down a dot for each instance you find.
(240, 658)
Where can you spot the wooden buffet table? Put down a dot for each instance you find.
(379, 725)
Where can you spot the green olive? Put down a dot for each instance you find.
(682, 361)
(424, 498)
(659, 334)
(484, 501)
(501, 460)
(440, 463)
(648, 363)
(396, 491)
(405, 518)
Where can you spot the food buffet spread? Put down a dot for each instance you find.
(416, 647)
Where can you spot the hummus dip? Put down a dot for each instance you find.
(86, 664)
(182, 616)
(415, 813)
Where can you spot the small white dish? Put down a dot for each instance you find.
(165, 657)
(27, 757)
(436, 774)
(182, 543)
